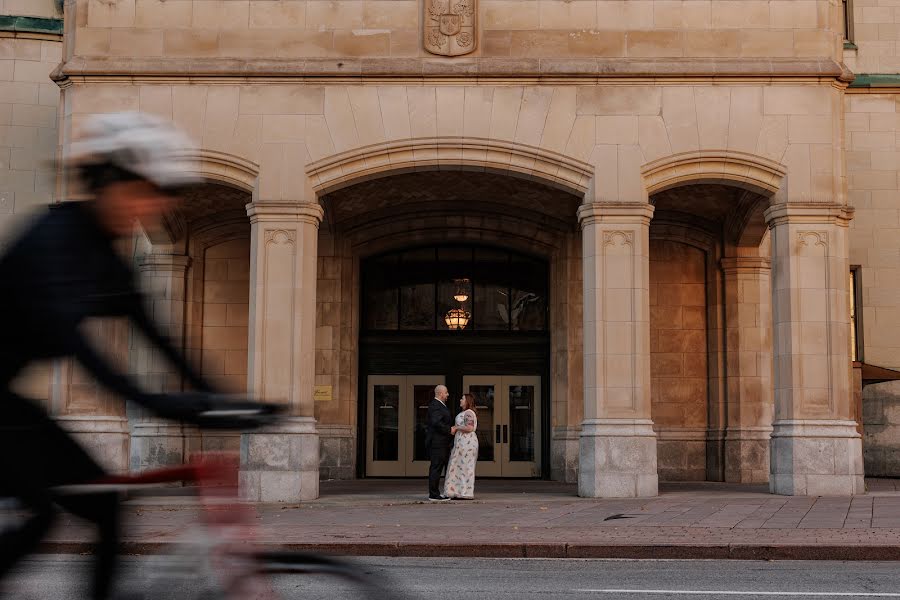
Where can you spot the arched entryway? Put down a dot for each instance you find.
(405, 261)
(710, 333)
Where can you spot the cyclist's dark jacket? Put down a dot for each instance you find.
(62, 270)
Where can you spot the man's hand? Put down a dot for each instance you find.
(453, 430)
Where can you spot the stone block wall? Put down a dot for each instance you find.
(508, 28)
(28, 111)
(678, 358)
(872, 123)
(876, 29)
(336, 357)
(226, 306)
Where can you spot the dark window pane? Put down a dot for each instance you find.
(528, 302)
(417, 307)
(422, 397)
(521, 423)
(484, 403)
(491, 307)
(528, 311)
(387, 415)
(381, 308)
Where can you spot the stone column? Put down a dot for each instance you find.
(748, 345)
(156, 442)
(91, 413)
(816, 449)
(618, 444)
(281, 464)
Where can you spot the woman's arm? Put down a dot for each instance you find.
(469, 423)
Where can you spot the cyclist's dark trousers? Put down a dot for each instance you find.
(35, 455)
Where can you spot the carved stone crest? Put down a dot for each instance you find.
(450, 26)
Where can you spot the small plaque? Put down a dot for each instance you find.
(322, 393)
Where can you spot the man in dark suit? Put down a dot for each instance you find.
(438, 441)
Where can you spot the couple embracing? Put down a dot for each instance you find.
(440, 436)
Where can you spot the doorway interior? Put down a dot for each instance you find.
(474, 319)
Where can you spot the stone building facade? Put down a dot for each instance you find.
(627, 226)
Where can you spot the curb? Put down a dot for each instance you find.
(542, 550)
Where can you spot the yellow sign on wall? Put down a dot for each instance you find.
(322, 393)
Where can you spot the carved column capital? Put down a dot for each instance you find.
(733, 265)
(305, 212)
(824, 213)
(164, 263)
(615, 213)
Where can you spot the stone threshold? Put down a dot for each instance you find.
(589, 69)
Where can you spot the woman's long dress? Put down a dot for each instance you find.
(460, 480)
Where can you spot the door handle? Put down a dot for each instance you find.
(505, 431)
(498, 434)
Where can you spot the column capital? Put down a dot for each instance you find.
(746, 264)
(594, 213)
(819, 213)
(163, 263)
(306, 212)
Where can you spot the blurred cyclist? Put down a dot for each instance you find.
(61, 271)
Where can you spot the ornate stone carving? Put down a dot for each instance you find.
(280, 236)
(618, 238)
(450, 26)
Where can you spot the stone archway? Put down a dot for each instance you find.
(393, 209)
(451, 154)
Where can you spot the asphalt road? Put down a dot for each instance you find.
(62, 577)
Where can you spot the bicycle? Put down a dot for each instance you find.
(226, 561)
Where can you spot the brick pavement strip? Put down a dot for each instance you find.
(712, 524)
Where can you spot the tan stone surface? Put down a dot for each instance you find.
(528, 28)
(226, 290)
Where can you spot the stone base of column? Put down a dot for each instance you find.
(747, 454)
(816, 458)
(156, 444)
(617, 459)
(281, 464)
(337, 451)
(564, 450)
(105, 438)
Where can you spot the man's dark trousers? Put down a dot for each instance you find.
(439, 459)
(438, 441)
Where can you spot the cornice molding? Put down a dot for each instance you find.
(350, 68)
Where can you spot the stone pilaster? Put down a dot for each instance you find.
(156, 442)
(815, 449)
(618, 444)
(281, 464)
(748, 345)
(87, 410)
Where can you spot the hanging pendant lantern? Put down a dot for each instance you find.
(457, 319)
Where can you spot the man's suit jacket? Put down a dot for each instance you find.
(437, 431)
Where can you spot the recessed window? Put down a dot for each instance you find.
(454, 288)
(856, 345)
(848, 20)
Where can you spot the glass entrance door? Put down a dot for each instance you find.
(396, 407)
(509, 433)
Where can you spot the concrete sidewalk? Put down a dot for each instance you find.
(547, 519)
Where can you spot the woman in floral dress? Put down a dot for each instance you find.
(460, 480)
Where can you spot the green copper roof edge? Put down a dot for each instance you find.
(876, 80)
(31, 24)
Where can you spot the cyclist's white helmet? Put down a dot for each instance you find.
(144, 145)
